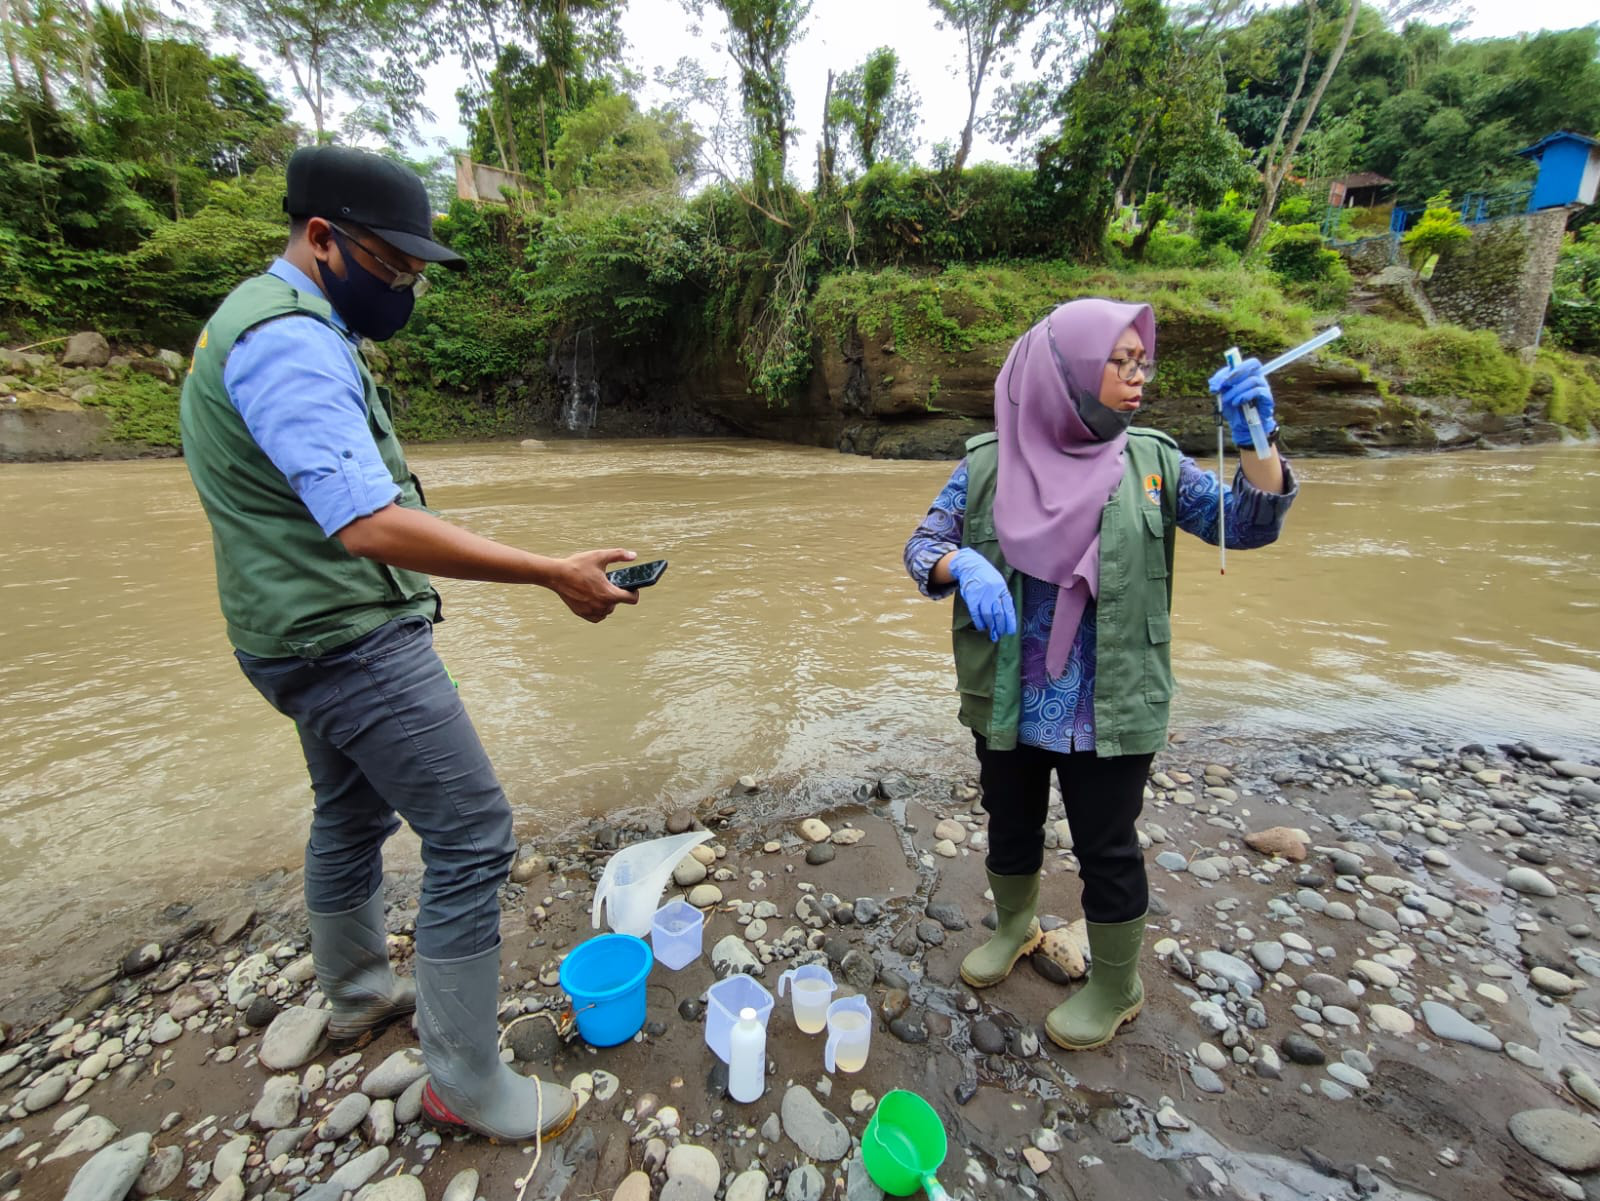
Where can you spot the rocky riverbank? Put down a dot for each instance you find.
(1365, 977)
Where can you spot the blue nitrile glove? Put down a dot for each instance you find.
(984, 589)
(1239, 386)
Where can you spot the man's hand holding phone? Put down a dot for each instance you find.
(585, 587)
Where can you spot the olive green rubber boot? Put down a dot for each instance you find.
(1112, 995)
(1016, 931)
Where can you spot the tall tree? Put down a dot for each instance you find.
(989, 30)
(877, 108)
(355, 50)
(760, 35)
(1280, 155)
(1104, 122)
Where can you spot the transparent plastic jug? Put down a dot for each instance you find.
(630, 887)
(812, 987)
(849, 1035)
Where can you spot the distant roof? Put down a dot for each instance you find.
(1363, 179)
(1561, 136)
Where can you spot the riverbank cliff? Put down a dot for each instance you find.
(899, 365)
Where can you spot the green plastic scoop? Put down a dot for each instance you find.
(903, 1146)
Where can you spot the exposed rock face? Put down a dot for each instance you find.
(865, 397)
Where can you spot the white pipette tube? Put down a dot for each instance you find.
(1258, 433)
(1305, 348)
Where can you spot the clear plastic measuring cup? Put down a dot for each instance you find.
(849, 1035)
(813, 987)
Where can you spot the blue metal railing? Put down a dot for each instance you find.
(1477, 207)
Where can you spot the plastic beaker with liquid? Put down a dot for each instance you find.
(812, 988)
(849, 1035)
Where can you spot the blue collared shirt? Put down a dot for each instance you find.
(296, 384)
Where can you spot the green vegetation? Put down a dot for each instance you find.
(1443, 361)
(141, 407)
(1574, 316)
(1571, 388)
(1179, 155)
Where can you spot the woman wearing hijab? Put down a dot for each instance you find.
(1056, 533)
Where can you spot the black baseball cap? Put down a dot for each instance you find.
(338, 183)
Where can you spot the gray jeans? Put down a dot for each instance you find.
(385, 733)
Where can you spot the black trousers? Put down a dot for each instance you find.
(1103, 799)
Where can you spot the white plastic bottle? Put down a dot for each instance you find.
(747, 1058)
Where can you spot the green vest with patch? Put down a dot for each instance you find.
(1133, 625)
(287, 589)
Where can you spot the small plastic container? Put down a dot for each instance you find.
(605, 978)
(724, 1000)
(747, 1069)
(676, 933)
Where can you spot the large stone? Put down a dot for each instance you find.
(395, 1074)
(812, 1128)
(1529, 882)
(1068, 948)
(246, 978)
(279, 1104)
(1230, 968)
(1391, 1020)
(463, 1186)
(1448, 1024)
(293, 1038)
(159, 1172)
(88, 1135)
(805, 1183)
(87, 349)
(1564, 1139)
(229, 1161)
(689, 872)
(394, 1188)
(344, 1117)
(731, 955)
(1282, 841)
(748, 1186)
(635, 1186)
(689, 1162)
(360, 1169)
(110, 1173)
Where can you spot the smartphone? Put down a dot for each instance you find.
(638, 575)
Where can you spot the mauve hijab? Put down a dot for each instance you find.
(1061, 453)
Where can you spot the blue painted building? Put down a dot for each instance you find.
(1569, 170)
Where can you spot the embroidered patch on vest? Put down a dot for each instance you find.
(1152, 488)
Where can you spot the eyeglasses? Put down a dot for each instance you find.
(1127, 368)
(400, 279)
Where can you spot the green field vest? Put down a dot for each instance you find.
(1133, 626)
(287, 589)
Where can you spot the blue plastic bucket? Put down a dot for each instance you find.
(605, 978)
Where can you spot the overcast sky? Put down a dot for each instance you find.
(840, 33)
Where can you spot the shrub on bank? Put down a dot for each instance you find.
(1443, 361)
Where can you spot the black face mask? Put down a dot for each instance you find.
(369, 306)
(1103, 423)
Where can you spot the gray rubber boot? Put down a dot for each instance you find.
(351, 955)
(469, 1087)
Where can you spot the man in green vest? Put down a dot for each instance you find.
(324, 547)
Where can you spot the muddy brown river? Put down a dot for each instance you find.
(1446, 598)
